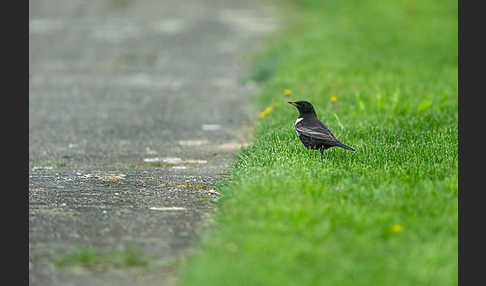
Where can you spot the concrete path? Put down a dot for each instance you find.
(135, 111)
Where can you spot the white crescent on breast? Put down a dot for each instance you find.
(298, 120)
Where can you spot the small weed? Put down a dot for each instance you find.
(265, 68)
(92, 258)
(55, 164)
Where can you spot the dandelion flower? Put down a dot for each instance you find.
(287, 92)
(333, 99)
(397, 228)
(268, 109)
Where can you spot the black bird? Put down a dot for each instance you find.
(312, 132)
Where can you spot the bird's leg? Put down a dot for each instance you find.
(322, 152)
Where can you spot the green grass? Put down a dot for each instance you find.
(90, 257)
(290, 218)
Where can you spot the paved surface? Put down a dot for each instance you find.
(135, 111)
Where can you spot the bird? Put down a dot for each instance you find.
(311, 131)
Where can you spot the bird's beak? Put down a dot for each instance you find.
(293, 103)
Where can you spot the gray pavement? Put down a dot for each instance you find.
(135, 112)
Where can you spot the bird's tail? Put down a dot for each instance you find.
(339, 144)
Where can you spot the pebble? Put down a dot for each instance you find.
(211, 127)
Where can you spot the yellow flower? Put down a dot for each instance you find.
(397, 228)
(333, 99)
(266, 111)
(287, 92)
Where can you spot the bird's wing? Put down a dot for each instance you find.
(317, 132)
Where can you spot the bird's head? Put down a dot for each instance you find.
(304, 107)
